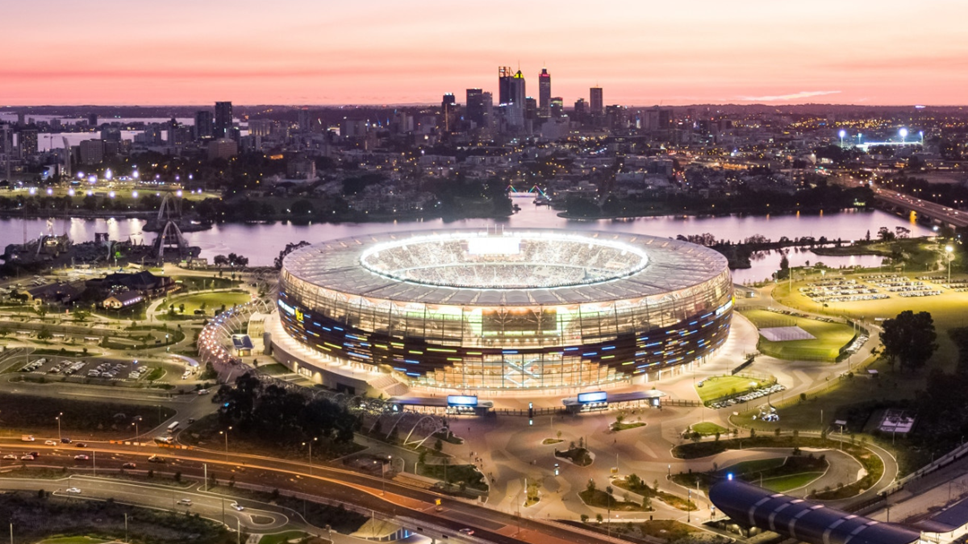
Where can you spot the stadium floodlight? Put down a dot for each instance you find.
(842, 134)
(904, 134)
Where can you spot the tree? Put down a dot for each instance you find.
(884, 234)
(220, 260)
(784, 268)
(591, 486)
(44, 334)
(909, 338)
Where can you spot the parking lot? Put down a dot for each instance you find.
(99, 369)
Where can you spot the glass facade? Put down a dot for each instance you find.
(481, 347)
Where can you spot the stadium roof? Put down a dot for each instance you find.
(672, 265)
(801, 520)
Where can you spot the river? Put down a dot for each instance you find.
(261, 243)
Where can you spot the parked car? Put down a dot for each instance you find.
(73, 490)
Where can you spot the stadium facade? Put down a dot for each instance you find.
(522, 309)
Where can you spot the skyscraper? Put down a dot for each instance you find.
(448, 109)
(475, 106)
(581, 108)
(504, 76)
(557, 106)
(597, 102)
(92, 119)
(204, 125)
(28, 142)
(544, 93)
(223, 119)
(513, 103)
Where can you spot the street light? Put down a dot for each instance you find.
(58, 418)
(903, 133)
(842, 134)
(948, 249)
(226, 433)
(310, 454)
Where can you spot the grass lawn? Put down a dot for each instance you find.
(718, 387)
(666, 529)
(782, 484)
(707, 429)
(829, 338)
(550, 441)
(280, 538)
(756, 465)
(275, 369)
(73, 540)
(212, 301)
(624, 426)
(600, 499)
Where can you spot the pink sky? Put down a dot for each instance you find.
(410, 51)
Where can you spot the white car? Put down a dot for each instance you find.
(82, 457)
(237, 506)
(466, 531)
(50, 442)
(185, 502)
(203, 391)
(73, 490)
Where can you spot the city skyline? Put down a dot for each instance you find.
(889, 53)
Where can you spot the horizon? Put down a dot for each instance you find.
(301, 53)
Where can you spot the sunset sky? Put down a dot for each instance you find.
(409, 51)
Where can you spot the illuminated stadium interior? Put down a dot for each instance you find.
(478, 260)
(472, 310)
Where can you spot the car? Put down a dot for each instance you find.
(156, 459)
(26, 457)
(82, 457)
(466, 531)
(27, 438)
(73, 490)
(66, 440)
(185, 502)
(81, 445)
(191, 420)
(129, 465)
(203, 391)
(10, 456)
(50, 442)
(237, 506)
(35, 454)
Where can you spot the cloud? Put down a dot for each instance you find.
(785, 97)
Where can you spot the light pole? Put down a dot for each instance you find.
(58, 418)
(842, 134)
(903, 133)
(226, 434)
(310, 453)
(948, 249)
(137, 432)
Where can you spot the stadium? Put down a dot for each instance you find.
(499, 311)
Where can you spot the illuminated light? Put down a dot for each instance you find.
(134, 194)
(111, 194)
(178, 193)
(50, 191)
(108, 174)
(32, 190)
(70, 192)
(92, 179)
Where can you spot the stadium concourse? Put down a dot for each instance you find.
(498, 313)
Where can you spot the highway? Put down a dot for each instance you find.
(933, 210)
(291, 477)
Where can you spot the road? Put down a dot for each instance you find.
(927, 208)
(327, 482)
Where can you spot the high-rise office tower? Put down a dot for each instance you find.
(504, 77)
(204, 125)
(223, 119)
(557, 106)
(92, 119)
(448, 110)
(596, 101)
(475, 106)
(581, 110)
(28, 142)
(303, 119)
(514, 105)
(530, 108)
(544, 93)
